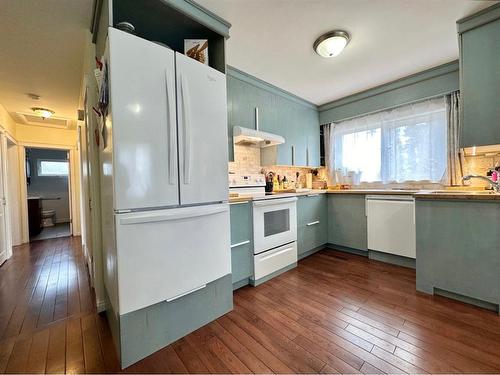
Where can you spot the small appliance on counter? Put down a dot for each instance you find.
(269, 182)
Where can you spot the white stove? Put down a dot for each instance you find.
(247, 185)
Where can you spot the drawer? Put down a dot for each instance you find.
(274, 260)
(311, 236)
(241, 262)
(310, 208)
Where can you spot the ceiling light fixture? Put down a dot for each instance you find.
(43, 112)
(332, 43)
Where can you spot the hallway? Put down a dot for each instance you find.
(48, 321)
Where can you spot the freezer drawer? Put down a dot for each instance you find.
(391, 225)
(274, 260)
(166, 254)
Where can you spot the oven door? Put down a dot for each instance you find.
(274, 223)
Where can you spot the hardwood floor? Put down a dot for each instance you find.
(334, 313)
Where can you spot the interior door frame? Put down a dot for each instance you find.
(7, 138)
(73, 199)
(3, 171)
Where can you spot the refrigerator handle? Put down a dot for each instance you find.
(170, 86)
(172, 215)
(186, 131)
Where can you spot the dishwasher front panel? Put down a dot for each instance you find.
(391, 225)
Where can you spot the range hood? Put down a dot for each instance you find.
(246, 136)
(254, 137)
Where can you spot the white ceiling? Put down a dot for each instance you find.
(42, 52)
(272, 40)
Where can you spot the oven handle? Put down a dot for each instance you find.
(275, 201)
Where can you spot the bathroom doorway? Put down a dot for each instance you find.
(48, 193)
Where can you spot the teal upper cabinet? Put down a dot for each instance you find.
(347, 221)
(479, 39)
(279, 113)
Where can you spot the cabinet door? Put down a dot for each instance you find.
(143, 122)
(347, 221)
(242, 100)
(312, 222)
(480, 85)
(241, 241)
(202, 128)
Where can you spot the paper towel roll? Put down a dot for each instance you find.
(309, 180)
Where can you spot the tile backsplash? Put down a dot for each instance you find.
(247, 161)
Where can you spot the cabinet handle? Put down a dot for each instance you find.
(257, 118)
(240, 243)
(312, 195)
(235, 203)
(186, 293)
(313, 223)
(293, 155)
(307, 156)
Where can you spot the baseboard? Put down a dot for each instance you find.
(392, 259)
(311, 252)
(472, 301)
(241, 284)
(346, 249)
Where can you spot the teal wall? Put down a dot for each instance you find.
(442, 79)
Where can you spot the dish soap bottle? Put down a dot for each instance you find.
(276, 184)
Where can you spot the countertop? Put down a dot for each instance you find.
(451, 195)
(418, 194)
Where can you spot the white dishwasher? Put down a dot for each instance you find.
(391, 224)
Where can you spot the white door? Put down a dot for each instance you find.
(166, 254)
(4, 253)
(143, 122)
(202, 126)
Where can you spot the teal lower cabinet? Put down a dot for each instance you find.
(140, 333)
(241, 243)
(312, 224)
(458, 250)
(347, 222)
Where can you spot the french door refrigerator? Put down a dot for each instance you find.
(166, 158)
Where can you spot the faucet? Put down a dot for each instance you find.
(494, 185)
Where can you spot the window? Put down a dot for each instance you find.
(53, 168)
(404, 144)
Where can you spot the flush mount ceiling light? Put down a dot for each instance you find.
(331, 43)
(42, 112)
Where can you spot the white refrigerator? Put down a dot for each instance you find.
(165, 168)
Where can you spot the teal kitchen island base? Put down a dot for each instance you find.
(458, 250)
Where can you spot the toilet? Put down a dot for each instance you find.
(48, 218)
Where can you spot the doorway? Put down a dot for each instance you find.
(48, 193)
